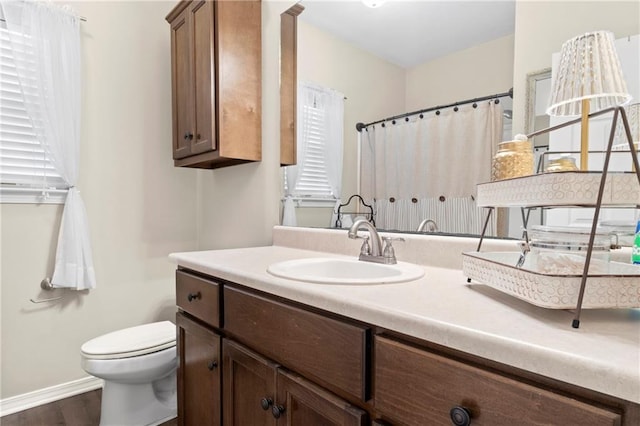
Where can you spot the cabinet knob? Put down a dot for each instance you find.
(188, 136)
(277, 411)
(193, 296)
(460, 416)
(266, 402)
(212, 364)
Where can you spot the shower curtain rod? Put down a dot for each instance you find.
(360, 126)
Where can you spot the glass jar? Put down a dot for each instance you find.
(513, 159)
(562, 164)
(559, 250)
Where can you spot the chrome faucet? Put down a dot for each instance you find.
(427, 225)
(375, 252)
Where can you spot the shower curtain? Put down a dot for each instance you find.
(427, 167)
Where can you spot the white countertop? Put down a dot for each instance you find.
(602, 355)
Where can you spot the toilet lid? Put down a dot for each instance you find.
(134, 341)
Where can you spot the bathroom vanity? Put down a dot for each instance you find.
(257, 349)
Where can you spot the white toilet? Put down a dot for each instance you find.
(138, 366)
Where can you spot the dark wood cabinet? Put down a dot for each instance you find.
(302, 403)
(249, 358)
(198, 297)
(425, 385)
(216, 74)
(249, 387)
(199, 383)
(330, 352)
(258, 392)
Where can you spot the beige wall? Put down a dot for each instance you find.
(374, 88)
(479, 71)
(140, 207)
(542, 27)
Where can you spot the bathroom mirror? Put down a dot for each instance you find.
(378, 91)
(366, 102)
(537, 97)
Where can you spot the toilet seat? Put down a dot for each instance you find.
(131, 342)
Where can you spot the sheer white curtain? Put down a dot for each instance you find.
(428, 168)
(51, 89)
(320, 134)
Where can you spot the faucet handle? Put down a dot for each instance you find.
(389, 252)
(365, 249)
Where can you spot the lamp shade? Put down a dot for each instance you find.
(589, 69)
(633, 116)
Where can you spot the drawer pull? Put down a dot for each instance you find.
(265, 403)
(277, 411)
(212, 365)
(193, 296)
(460, 416)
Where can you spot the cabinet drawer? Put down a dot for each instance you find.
(330, 352)
(416, 387)
(199, 297)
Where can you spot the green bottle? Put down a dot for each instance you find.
(635, 253)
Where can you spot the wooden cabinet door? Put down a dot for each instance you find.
(199, 397)
(204, 65)
(301, 403)
(249, 387)
(288, 83)
(239, 79)
(216, 76)
(181, 85)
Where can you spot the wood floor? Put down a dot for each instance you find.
(79, 410)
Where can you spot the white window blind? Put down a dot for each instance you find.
(26, 174)
(313, 180)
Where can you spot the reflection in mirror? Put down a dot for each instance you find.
(377, 88)
(568, 140)
(426, 165)
(288, 83)
(537, 99)
(538, 90)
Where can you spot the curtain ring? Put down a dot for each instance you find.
(442, 198)
(392, 200)
(414, 200)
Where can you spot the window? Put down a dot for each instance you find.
(313, 180)
(26, 173)
(318, 174)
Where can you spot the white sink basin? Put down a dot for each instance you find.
(327, 270)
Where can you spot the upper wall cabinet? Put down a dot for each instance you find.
(216, 81)
(288, 83)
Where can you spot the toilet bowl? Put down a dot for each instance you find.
(138, 366)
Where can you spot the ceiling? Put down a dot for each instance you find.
(408, 33)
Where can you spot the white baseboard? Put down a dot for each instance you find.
(43, 396)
